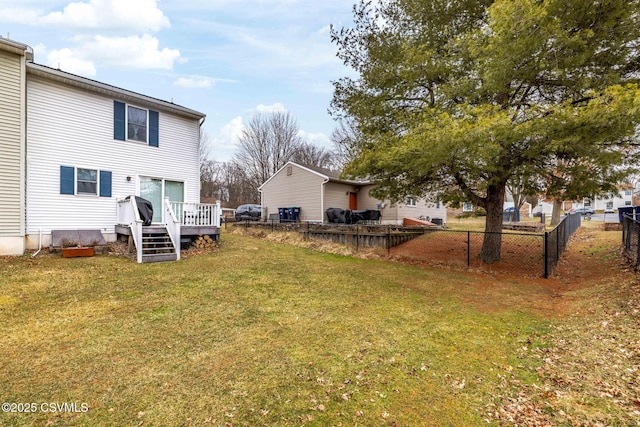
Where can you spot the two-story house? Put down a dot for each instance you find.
(73, 149)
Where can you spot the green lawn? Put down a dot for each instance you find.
(261, 333)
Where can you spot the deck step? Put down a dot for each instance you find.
(147, 258)
(157, 245)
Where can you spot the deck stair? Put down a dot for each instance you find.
(157, 245)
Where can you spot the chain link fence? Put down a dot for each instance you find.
(521, 253)
(556, 241)
(528, 254)
(631, 240)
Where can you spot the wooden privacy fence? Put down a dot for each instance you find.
(365, 235)
(358, 235)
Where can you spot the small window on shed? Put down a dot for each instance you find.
(289, 170)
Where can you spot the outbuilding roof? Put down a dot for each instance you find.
(326, 174)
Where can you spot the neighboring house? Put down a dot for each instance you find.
(468, 207)
(612, 201)
(73, 148)
(315, 191)
(544, 207)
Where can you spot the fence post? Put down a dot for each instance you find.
(627, 238)
(555, 261)
(357, 239)
(388, 240)
(638, 247)
(545, 253)
(468, 248)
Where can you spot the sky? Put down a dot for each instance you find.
(229, 59)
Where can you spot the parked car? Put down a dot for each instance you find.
(609, 210)
(584, 211)
(248, 212)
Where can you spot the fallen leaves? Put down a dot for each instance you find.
(589, 367)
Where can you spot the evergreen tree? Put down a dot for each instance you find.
(459, 96)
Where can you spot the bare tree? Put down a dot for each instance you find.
(266, 144)
(313, 156)
(345, 138)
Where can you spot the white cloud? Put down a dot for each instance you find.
(120, 52)
(105, 15)
(19, 15)
(194, 82)
(318, 138)
(274, 108)
(224, 142)
(66, 60)
(128, 52)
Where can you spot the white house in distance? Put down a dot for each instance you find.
(315, 190)
(607, 203)
(73, 149)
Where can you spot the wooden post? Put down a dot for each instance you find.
(468, 248)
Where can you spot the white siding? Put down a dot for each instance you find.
(11, 145)
(302, 188)
(69, 126)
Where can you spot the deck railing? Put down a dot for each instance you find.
(176, 215)
(127, 214)
(198, 214)
(172, 225)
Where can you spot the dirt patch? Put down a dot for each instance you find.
(522, 254)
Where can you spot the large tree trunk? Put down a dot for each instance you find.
(492, 243)
(556, 213)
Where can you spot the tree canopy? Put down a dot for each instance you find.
(459, 96)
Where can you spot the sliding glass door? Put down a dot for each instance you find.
(155, 190)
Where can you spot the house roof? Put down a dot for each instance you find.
(326, 174)
(109, 90)
(16, 47)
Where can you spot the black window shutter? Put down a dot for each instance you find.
(105, 183)
(67, 180)
(154, 128)
(119, 120)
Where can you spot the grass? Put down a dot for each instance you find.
(261, 333)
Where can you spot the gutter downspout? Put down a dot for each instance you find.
(39, 244)
(324, 181)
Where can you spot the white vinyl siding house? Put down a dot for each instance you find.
(12, 146)
(73, 139)
(74, 150)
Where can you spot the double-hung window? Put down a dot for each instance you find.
(135, 124)
(410, 201)
(87, 181)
